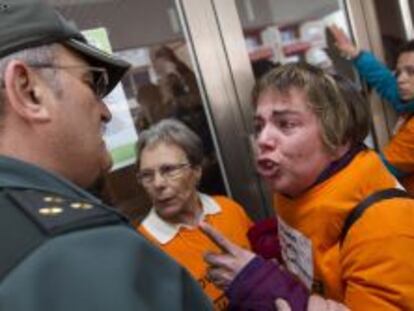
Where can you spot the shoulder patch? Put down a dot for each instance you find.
(55, 214)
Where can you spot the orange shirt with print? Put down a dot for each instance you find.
(190, 244)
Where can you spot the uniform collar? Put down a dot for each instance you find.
(23, 175)
(164, 231)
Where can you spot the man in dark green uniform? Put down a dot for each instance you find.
(60, 247)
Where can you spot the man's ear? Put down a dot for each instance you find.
(25, 92)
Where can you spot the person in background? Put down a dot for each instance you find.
(310, 127)
(177, 81)
(61, 247)
(169, 169)
(179, 91)
(397, 88)
(149, 97)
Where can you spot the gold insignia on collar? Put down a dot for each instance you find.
(50, 211)
(53, 200)
(81, 205)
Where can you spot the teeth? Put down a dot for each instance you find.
(267, 164)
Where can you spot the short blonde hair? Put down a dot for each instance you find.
(341, 110)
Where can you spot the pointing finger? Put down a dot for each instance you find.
(215, 236)
(218, 260)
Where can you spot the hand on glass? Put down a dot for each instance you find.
(344, 44)
(316, 303)
(224, 266)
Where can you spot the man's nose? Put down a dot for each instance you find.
(105, 112)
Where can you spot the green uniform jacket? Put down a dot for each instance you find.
(61, 249)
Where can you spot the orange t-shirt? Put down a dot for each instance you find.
(400, 152)
(189, 245)
(374, 268)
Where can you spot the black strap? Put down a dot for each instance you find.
(358, 210)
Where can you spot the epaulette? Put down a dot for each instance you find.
(55, 214)
(50, 215)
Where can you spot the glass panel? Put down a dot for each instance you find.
(160, 84)
(279, 32)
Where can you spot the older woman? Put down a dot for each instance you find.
(169, 168)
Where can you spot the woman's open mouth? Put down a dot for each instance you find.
(267, 168)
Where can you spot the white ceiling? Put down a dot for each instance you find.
(288, 11)
(283, 12)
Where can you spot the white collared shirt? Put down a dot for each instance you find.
(165, 231)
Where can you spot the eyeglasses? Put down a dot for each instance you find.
(166, 171)
(99, 76)
(408, 70)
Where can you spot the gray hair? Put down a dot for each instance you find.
(172, 131)
(44, 54)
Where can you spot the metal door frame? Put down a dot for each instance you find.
(226, 96)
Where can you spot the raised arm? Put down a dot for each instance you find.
(343, 43)
(371, 70)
